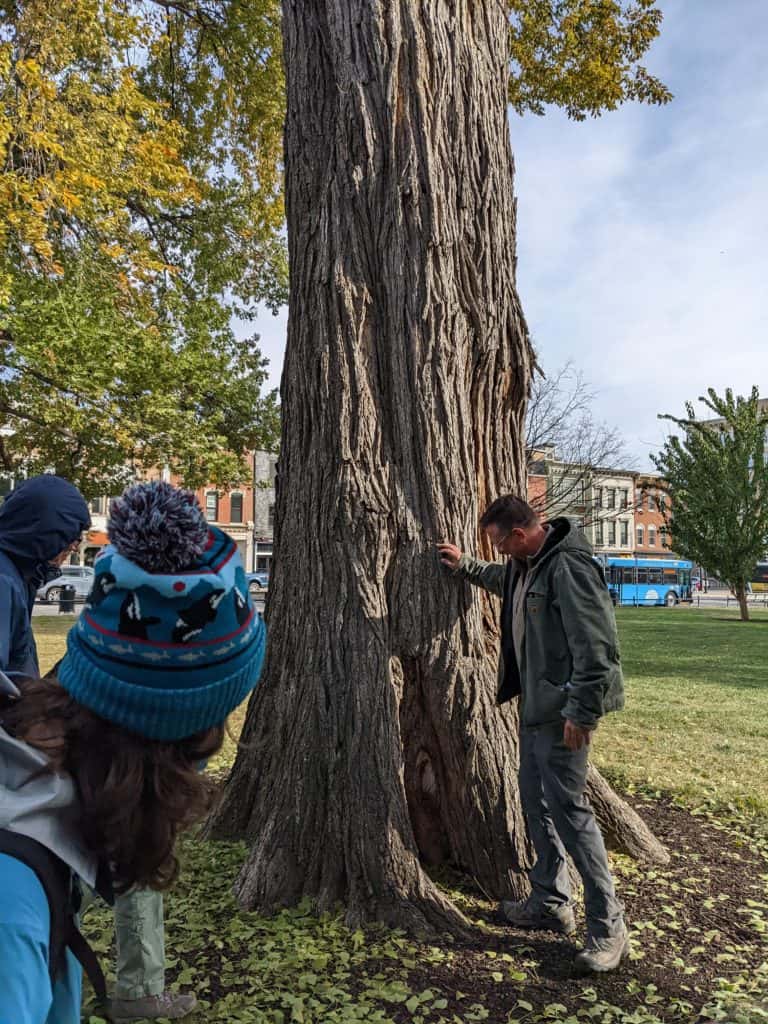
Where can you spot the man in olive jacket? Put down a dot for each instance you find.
(560, 655)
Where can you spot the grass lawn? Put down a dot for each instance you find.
(696, 718)
(696, 725)
(50, 637)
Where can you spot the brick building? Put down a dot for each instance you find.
(246, 513)
(620, 511)
(651, 503)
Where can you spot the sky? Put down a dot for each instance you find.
(643, 234)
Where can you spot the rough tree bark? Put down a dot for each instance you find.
(373, 742)
(740, 592)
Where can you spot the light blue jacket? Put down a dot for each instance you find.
(43, 805)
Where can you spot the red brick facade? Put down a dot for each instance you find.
(651, 537)
(537, 491)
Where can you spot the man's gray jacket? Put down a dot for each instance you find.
(569, 663)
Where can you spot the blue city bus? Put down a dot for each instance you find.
(648, 581)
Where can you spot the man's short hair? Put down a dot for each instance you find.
(508, 512)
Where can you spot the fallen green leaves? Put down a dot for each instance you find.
(698, 932)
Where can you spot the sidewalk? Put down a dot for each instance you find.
(724, 599)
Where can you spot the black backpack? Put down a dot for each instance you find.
(63, 901)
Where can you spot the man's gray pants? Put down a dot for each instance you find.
(559, 818)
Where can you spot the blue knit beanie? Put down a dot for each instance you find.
(168, 642)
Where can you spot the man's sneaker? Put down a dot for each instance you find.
(540, 919)
(603, 954)
(171, 1005)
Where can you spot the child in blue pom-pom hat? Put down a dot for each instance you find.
(98, 762)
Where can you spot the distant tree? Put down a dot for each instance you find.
(716, 472)
(560, 425)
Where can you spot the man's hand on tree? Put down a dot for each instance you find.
(450, 555)
(576, 736)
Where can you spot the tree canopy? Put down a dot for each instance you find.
(140, 208)
(582, 55)
(717, 475)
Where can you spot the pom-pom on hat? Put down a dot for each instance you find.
(168, 642)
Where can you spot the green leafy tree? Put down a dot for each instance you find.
(140, 208)
(97, 388)
(582, 55)
(717, 476)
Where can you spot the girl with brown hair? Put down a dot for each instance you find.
(99, 761)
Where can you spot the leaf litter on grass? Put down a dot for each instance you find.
(699, 945)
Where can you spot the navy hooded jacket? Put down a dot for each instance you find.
(38, 520)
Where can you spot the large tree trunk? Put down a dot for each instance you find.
(373, 741)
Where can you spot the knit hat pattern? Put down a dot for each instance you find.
(165, 654)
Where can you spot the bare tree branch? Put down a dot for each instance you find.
(565, 443)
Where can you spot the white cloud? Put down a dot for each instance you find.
(642, 235)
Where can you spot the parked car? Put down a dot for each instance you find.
(78, 576)
(257, 582)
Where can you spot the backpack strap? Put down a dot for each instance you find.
(56, 879)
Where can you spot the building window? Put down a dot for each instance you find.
(624, 497)
(612, 533)
(599, 532)
(651, 502)
(271, 517)
(236, 507)
(95, 506)
(599, 493)
(661, 501)
(610, 494)
(651, 536)
(624, 534)
(211, 506)
(640, 536)
(664, 537)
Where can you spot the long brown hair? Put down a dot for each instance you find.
(135, 794)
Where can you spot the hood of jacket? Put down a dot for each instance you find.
(564, 535)
(39, 519)
(39, 803)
